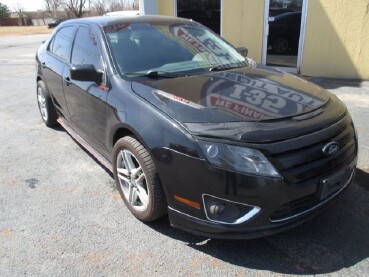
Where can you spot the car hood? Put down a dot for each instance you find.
(248, 94)
(252, 104)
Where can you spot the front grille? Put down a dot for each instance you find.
(300, 205)
(295, 207)
(302, 158)
(303, 164)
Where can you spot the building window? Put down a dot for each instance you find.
(206, 12)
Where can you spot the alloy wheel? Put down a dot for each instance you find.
(41, 98)
(132, 180)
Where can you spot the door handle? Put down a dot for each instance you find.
(67, 80)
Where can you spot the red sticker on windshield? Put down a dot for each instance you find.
(115, 28)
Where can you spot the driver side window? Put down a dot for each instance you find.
(86, 49)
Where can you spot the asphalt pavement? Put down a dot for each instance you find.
(60, 214)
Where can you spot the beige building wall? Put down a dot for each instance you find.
(166, 7)
(243, 25)
(337, 39)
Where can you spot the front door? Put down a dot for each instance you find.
(87, 100)
(284, 27)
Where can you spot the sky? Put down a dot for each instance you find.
(28, 5)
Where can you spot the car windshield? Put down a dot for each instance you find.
(177, 49)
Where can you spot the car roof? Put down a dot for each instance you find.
(119, 19)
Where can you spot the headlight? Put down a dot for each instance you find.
(238, 158)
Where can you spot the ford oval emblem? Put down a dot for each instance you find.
(330, 148)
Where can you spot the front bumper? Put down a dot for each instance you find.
(191, 178)
(207, 228)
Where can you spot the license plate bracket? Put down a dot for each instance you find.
(331, 184)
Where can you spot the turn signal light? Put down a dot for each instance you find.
(187, 202)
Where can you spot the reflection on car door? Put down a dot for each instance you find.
(86, 100)
(56, 59)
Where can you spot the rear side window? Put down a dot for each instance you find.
(60, 44)
(86, 49)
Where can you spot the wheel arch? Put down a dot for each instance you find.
(120, 133)
(123, 130)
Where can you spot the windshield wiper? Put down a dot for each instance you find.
(222, 67)
(153, 74)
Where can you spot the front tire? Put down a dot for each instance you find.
(45, 105)
(137, 180)
(281, 45)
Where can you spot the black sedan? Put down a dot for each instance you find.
(284, 32)
(192, 128)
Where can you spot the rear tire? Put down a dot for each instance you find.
(45, 105)
(137, 180)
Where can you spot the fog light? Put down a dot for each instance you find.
(217, 209)
(227, 212)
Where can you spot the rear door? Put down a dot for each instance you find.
(56, 59)
(87, 100)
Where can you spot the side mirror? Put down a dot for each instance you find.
(243, 51)
(85, 72)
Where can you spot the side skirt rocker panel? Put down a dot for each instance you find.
(107, 164)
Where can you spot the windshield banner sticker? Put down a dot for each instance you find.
(206, 48)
